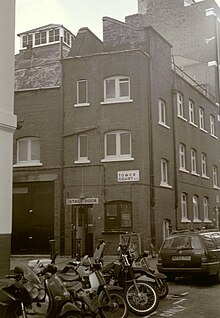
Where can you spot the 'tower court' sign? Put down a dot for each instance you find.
(75, 201)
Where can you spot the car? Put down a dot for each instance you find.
(186, 253)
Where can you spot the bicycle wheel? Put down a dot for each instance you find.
(144, 301)
(118, 307)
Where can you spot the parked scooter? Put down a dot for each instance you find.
(138, 285)
(23, 295)
(160, 279)
(106, 300)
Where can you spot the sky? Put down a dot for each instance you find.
(73, 14)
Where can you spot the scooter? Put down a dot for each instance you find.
(23, 294)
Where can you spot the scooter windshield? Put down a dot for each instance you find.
(28, 273)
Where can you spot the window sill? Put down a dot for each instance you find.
(165, 185)
(195, 174)
(81, 161)
(116, 101)
(185, 221)
(183, 118)
(216, 187)
(183, 170)
(205, 176)
(163, 124)
(207, 221)
(27, 164)
(197, 221)
(214, 136)
(194, 125)
(116, 159)
(203, 130)
(82, 105)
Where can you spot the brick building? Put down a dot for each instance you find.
(128, 143)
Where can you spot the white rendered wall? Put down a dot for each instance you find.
(7, 126)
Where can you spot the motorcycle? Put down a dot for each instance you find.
(160, 279)
(138, 285)
(108, 301)
(23, 294)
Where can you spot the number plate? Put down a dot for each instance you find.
(181, 258)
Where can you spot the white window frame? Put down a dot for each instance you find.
(164, 168)
(29, 161)
(202, 119)
(180, 106)
(215, 177)
(195, 202)
(117, 98)
(82, 159)
(162, 110)
(184, 207)
(212, 126)
(192, 113)
(86, 103)
(194, 162)
(204, 165)
(118, 156)
(206, 210)
(182, 157)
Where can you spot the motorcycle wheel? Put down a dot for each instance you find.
(11, 311)
(163, 289)
(119, 308)
(144, 302)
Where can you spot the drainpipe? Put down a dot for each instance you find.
(62, 207)
(151, 156)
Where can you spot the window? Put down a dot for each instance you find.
(191, 112)
(164, 173)
(27, 40)
(40, 37)
(201, 118)
(193, 161)
(82, 93)
(182, 157)
(162, 113)
(118, 215)
(196, 209)
(212, 126)
(204, 165)
(83, 148)
(54, 35)
(215, 176)
(206, 209)
(184, 208)
(28, 151)
(180, 107)
(118, 145)
(117, 89)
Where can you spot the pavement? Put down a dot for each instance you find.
(62, 260)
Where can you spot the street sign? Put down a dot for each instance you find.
(128, 176)
(75, 201)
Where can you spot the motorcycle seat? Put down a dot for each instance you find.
(69, 277)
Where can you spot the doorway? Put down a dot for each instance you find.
(32, 217)
(84, 229)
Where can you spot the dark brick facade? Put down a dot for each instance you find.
(5, 248)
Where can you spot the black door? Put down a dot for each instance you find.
(32, 218)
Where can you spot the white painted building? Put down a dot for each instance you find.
(7, 127)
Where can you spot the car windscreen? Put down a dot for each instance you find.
(190, 242)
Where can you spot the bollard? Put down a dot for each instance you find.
(52, 248)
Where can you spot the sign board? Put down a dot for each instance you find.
(75, 201)
(133, 240)
(128, 176)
